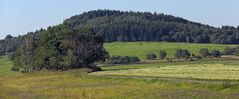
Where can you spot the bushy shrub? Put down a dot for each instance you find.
(151, 56)
(15, 69)
(26, 70)
(123, 60)
(216, 54)
(182, 53)
(229, 51)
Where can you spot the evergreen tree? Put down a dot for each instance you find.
(162, 54)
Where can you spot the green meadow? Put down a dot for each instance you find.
(5, 66)
(210, 78)
(140, 49)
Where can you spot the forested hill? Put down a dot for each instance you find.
(140, 26)
(144, 26)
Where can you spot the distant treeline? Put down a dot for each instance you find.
(10, 43)
(142, 26)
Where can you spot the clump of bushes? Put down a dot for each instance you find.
(123, 60)
(204, 52)
(182, 53)
(216, 54)
(151, 56)
(231, 51)
(15, 69)
(162, 55)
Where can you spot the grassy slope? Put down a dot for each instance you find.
(5, 66)
(140, 49)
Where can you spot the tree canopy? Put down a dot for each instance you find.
(60, 48)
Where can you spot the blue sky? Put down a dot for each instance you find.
(22, 16)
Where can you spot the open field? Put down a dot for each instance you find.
(140, 49)
(211, 78)
(75, 84)
(189, 71)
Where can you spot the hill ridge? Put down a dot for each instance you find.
(129, 26)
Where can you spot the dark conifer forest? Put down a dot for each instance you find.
(128, 26)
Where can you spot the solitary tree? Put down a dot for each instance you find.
(123, 60)
(204, 52)
(185, 54)
(216, 54)
(162, 54)
(178, 53)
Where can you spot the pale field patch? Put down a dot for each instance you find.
(195, 71)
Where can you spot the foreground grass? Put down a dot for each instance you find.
(77, 84)
(74, 84)
(140, 49)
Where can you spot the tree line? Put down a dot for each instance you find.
(123, 60)
(9, 44)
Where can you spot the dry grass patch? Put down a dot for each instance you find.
(195, 71)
